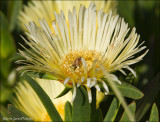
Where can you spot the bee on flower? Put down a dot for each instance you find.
(79, 46)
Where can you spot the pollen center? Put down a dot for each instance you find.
(72, 62)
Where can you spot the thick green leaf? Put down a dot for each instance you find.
(65, 91)
(14, 6)
(127, 90)
(81, 107)
(154, 116)
(16, 113)
(112, 112)
(132, 108)
(7, 42)
(150, 93)
(68, 112)
(46, 101)
(98, 117)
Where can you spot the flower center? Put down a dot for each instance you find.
(72, 62)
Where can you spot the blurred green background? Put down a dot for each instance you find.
(144, 15)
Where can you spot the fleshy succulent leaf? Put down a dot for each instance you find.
(65, 91)
(46, 101)
(154, 116)
(81, 108)
(112, 112)
(98, 117)
(68, 112)
(132, 108)
(127, 90)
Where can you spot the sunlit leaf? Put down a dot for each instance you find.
(112, 112)
(132, 108)
(127, 90)
(154, 116)
(81, 107)
(46, 101)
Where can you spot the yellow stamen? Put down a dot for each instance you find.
(70, 61)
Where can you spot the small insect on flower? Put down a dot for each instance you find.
(76, 51)
(77, 62)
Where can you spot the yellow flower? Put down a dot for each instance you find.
(28, 101)
(76, 52)
(45, 9)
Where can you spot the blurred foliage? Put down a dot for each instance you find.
(13, 9)
(144, 15)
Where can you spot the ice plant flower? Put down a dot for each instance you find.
(29, 103)
(76, 53)
(36, 10)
